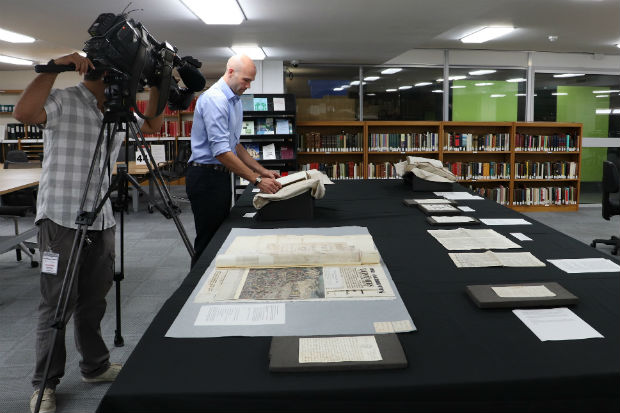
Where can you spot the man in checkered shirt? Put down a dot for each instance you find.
(71, 119)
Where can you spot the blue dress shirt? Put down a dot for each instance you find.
(217, 123)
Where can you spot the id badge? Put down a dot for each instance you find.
(49, 266)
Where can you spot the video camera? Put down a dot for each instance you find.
(133, 59)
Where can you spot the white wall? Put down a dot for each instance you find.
(269, 77)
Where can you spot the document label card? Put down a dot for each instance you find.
(520, 236)
(241, 314)
(523, 291)
(338, 349)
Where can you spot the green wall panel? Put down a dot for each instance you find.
(579, 105)
(475, 104)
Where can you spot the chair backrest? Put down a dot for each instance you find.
(611, 184)
(17, 156)
(21, 165)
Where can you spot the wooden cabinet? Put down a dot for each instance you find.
(524, 165)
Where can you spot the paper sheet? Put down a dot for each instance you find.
(471, 239)
(459, 195)
(581, 265)
(520, 236)
(452, 219)
(439, 208)
(495, 259)
(505, 221)
(523, 291)
(249, 215)
(433, 201)
(279, 104)
(466, 209)
(556, 324)
(241, 314)
(338, 349)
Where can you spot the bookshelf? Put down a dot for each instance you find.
(268, 132)
(527, 166)
(15, 135)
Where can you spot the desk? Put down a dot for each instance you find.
(13, 180)
(135, 170)
(461, 358)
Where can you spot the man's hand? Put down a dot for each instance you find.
(82, 64)
(269, 185)
(271, 174)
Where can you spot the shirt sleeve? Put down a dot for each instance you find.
(53, 109)
(216, 117)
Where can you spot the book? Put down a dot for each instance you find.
(247, 128)
(253, 149)
(260, 104)
(286, 152)
(269, 151)
(283, 127)
(247, 101)
(278, 104)
(264, 126)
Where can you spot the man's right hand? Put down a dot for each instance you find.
(269, 185)
(82, 64)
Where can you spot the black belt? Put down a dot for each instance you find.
(212, 166)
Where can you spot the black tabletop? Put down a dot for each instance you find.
(462, 358)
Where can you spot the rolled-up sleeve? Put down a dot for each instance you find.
(216, 122)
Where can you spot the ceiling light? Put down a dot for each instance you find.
(355, 83)
(391, 70)
(370, 94)
(482, 72)
(516, 80)
(216, 11)
(602, 96)
(453, 78)
(14, 60)
(486, 34)
(253, 52)
(605, 91)
(13, 37)
(616, 112)
(552, 38)
(458, 87)
(422, 84)
(437, 91)
(390, 90)
(345, 86)
(485, 84)
(372, 78)
(603, 111)
(569, 75)
(618, 45)
(497, 96)
(405, 87)
(520, 94)
(337, 89)
(560, 94)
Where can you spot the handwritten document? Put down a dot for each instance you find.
(556, 324)
(471, 239)
(338, 349)
(495, 259)
(241, 314)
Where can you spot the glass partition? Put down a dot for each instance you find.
(402, 93)
(324, 93)
(486, 94)
(590, 99)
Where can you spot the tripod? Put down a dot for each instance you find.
(117, 118)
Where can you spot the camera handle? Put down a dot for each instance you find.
(53, 68)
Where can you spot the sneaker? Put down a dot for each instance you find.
(48, 402)
(108, 375)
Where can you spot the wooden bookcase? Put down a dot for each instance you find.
(484, 155)
(28, 138)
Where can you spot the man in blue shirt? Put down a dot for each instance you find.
(216, 152)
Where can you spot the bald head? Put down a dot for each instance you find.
(240, 72)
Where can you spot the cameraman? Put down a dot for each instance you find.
(71, 119)
(216, 152)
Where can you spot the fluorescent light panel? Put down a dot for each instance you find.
(459, 77)
(253, 52)
(391, 70)
(422, 84)
(605, 91)
(569, 75)
(15, 60)
(485, 84)
(12, 37)
(516, 80)
(486, 34)
(390, 90)
(405, 87)
(482, 72)
(497, 96)
(560, 94)
(372, 78)
(216, 11)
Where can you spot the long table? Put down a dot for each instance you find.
(461, 358)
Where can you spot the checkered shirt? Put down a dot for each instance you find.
(69, 140)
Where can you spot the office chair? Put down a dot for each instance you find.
(18, 204)
(611, 185)
(16, 156)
